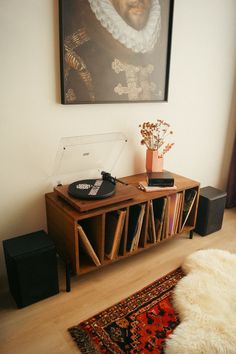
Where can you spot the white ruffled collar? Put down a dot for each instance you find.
(138, 41)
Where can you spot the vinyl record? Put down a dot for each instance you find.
(91, 189)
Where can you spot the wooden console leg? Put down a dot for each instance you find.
(68, 284)
(191, 234)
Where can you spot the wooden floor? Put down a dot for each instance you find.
(42, 327)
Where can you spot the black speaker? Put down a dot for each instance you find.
(31, 267)
(210, 210)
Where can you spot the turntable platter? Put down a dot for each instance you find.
(91, 189)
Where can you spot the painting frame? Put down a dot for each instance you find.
(73, 59)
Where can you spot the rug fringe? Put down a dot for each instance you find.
(83, 340)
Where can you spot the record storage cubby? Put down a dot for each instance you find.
(93, 239)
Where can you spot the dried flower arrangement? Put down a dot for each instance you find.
(154, 136)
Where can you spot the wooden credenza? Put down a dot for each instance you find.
(63, 221)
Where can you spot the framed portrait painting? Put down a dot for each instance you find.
(115, 50)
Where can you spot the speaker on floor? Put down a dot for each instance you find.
(31, 267)
(210, 210)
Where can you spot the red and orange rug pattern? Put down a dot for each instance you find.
(139, 324)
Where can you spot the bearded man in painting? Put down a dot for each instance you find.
(114, 50)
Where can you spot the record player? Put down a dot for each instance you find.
(83, 171)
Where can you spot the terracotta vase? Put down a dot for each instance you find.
(153, 162)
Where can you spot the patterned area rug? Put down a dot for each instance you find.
(138, 324)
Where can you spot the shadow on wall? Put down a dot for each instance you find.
(139, 161)
(231, 185)
(137, 155)
(56, 51)
(229, 141)
(29, 218)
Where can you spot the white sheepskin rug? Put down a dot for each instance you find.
(205, 300)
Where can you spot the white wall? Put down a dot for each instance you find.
(200, 107)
